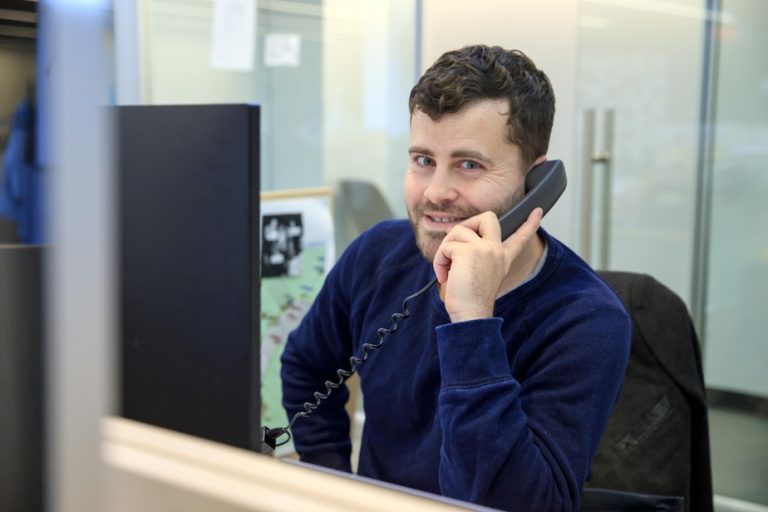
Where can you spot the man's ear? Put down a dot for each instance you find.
(542, 158)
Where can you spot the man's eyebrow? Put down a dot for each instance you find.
(459, 153)
(419, 149)
(468, 153)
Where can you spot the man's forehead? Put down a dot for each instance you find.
(499, 106)
(481, 128)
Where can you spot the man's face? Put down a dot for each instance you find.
(460, 165)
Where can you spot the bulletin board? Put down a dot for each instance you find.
(297, 241)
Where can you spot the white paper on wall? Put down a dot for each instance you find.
(282, 50)
(233, 36)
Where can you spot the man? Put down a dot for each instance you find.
(497, 388)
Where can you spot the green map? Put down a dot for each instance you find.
(284, 301)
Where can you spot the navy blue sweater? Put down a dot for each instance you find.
(506, 412)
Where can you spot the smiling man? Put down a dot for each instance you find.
(497, 388)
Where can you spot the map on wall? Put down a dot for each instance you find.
(297, 243)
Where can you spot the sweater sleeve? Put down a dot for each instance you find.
(526, 441)
(314, 351)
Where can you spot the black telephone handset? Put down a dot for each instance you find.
(544, 185)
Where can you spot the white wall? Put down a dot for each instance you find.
(178, 69)
(172, 48)
(368, 73)
(546, 31)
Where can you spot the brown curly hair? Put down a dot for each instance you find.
(462, 77)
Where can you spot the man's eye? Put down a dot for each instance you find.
(424, 160)
(469, 164)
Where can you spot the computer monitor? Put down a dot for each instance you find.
(189, 268)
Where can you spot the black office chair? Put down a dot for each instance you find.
(654, 455)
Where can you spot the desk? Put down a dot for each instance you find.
(152, 469)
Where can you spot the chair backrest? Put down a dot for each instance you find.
(657, 439)
(358, 206)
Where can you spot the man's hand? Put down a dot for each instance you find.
(472, 262)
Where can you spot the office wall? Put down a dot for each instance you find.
(368, 73)
(174, 43)
(342, 112)
(546, 30)
(343, 115)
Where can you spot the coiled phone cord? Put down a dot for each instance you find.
(274, 434)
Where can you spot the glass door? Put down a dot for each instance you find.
(641, 77)
(640, 71)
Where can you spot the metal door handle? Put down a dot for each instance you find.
(605, 159)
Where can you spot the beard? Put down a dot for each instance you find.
(429, 241)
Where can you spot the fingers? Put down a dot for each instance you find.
(485, 224)
(442, 261)
(483, 227)
(525, 232)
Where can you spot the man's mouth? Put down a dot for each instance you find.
(445, 220)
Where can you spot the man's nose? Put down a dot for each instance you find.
(441, 188)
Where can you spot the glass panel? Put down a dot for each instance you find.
(642, 61)
(735, 320)
(369, 71)
(338, 112)
(290, 93)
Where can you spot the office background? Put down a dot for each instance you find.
(662, 120)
